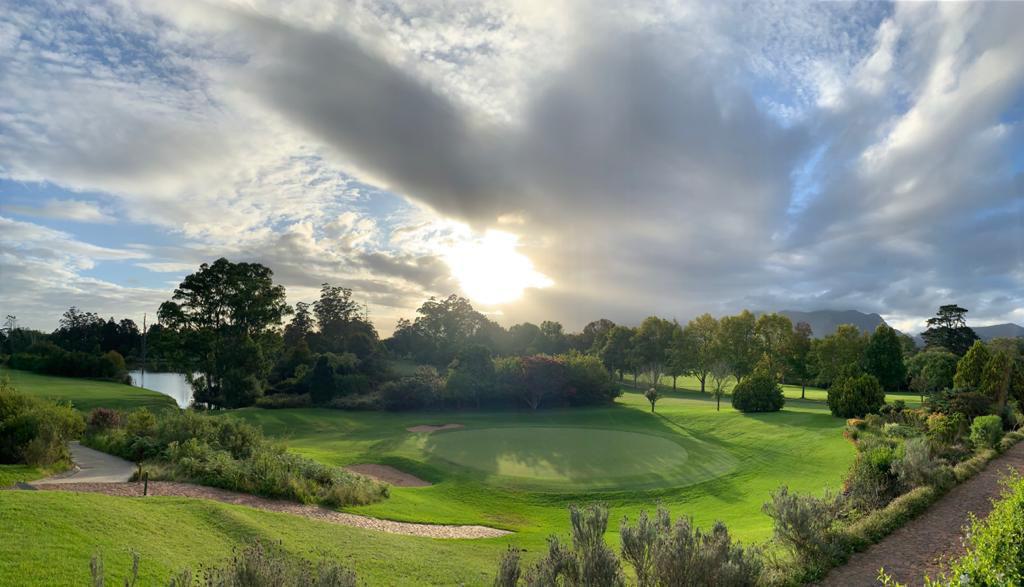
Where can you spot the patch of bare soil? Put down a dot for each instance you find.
(433, 427)
(926, 544)
(388, 475)
(169, 488)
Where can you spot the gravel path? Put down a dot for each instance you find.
(921, 547)
(168, 488)
(93, 466)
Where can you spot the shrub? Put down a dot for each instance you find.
(986, 431)
(972, 466)
(254, 566)
(871, 482)
(362, 402)
(806, 526)
(103, 419)
(588, 382)
(508, 568)
(995, 545)
(590, 562)
(283, 401)
(944, 429)
(895, 430)
(917, 466)
(409, 393)
(882, 522)
(758, 392)
(232, 454)
(34, 431)
(855, 397)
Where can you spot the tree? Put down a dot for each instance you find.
(758, 392)
(935, 367)
(773, 332)
(651, 345)
(524, 338)
(470, 375)
(737, 342)
(971, 366)
(542, 378)
(702, 334)
(302, 325)
(443, 327)
(552, 339)
(883, 358)
(681, 354)
(219, 311)
(615, 353)
(797, 356)
(948, 329)
(652, 396)
(79, 331)
(591, 338)
(841, 354)
(997, 377)
(855, 397)
(720, 373)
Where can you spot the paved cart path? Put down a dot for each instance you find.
(923, 546)
(93, 466)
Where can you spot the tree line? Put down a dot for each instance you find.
(224, 326)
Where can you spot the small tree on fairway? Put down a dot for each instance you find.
(652, 396)
(720, 373)
(797, 356)
(702, 333)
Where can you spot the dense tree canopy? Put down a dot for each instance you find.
(948, 330)
(883, 358)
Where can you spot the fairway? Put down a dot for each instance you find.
(86, 394)
(581, 458)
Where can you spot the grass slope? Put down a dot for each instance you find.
(11, 474)
(86, 394)
(49, 538)
(515, 470)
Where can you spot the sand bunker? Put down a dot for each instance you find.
(388, 475)
(433, 427)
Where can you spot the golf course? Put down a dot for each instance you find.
(513, 470)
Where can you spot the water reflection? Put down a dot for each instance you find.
(171, 384)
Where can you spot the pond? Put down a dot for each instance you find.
(171, 384)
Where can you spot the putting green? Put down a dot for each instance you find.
(581, 458)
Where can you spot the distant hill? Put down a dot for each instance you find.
(999, 331)
(824, 322)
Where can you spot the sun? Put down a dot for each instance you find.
(491, 271)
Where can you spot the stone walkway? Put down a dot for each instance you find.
(924, 545)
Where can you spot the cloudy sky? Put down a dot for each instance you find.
(564, 160)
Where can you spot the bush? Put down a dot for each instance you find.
(363, 402)
(48, 358)
(231, 454)
(410, 393)
(880, 523)
(917, 466)
(588, 382)
(590, 562)
(995, 545)
(103, 419)
(807, 527)
(279, 401)
(663, 553)
(35, 431)
(855, 397)
(758, 392)
(254, 566)
(871, 482)
(972, 466)
(986, 431)
(944, 429)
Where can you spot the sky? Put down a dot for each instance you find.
(549, 160)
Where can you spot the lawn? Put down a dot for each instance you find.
(515, 470)
(11, 474)
(86, 394)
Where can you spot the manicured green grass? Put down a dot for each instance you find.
(516, 470)
(49, 537)
(11, 474)
(86, 394)
(790, 391)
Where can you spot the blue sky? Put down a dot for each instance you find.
(563, 161)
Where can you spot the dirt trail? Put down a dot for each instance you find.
(168, 488)
(923, 546)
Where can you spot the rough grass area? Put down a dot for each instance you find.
(11, 474)
(86, 394)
